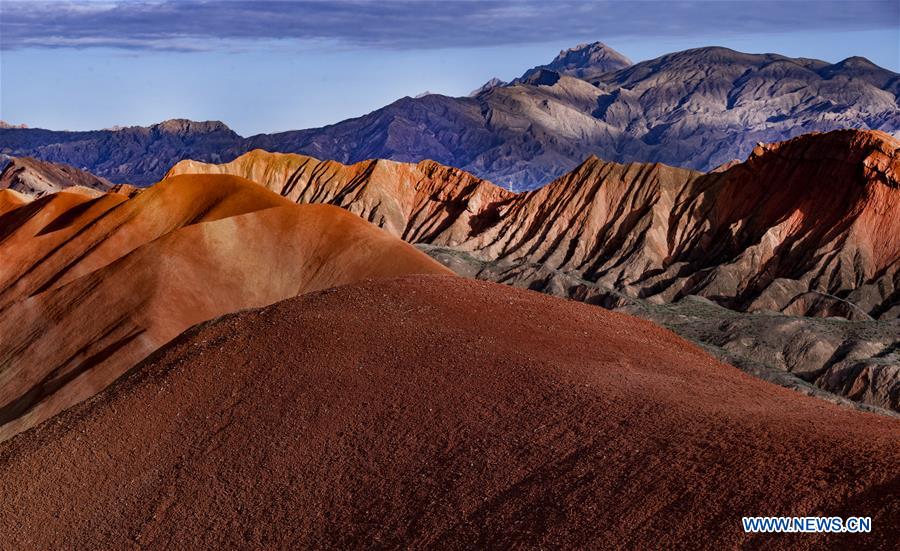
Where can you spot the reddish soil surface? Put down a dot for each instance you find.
(436, 411)
(91, 285)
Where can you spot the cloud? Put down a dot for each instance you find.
(195, 25)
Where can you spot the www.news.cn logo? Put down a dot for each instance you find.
(812, 525)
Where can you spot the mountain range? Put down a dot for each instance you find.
(696, 109)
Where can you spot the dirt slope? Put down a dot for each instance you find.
(90, 286)
(387, 414)
(421, 202)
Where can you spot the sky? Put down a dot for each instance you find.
(267, 66)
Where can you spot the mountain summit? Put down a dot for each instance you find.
(584, 61)
(186, 127)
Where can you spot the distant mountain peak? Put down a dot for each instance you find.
(187, 126)
(585, 61)
(591, 52)
(857, 61)
(489, 85)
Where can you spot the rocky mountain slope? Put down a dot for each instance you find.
(92, 283)
(386, 414)
(696, 109)
(36, 178)
(805, 227)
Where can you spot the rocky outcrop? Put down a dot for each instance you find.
(35, 178)
(696, 109)
(90, 283)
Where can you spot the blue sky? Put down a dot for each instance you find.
(269, 66)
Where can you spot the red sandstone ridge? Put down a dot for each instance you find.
(385, 414)
(809, 226)
(424, 202)
(91, 284)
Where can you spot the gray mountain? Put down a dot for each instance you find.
(584, 61)
(698, 109)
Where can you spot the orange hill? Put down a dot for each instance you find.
(440, 412)
(90, 285)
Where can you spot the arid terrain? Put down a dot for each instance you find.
(438, 411)
(92, 283)
(360, 274)
(806, 228)
(275, 352)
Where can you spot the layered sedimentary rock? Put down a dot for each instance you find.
(91, 284)
(807, 227)
(386, 414)
(35, 177)
(421, 202)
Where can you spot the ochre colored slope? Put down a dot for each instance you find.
(421, 202)
(73, 242)
(11, 199)
(809, 226)
(440, 412)
(96, 285)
